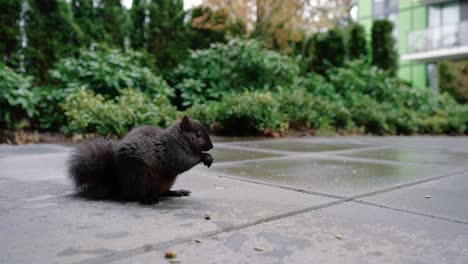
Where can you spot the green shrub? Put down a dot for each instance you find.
(236, 66)
(207, 26)
(16, 98)
(108, 71)
(297, 105)
(305, 109)
(242, 114)
(88, 112)
(358, 77)
(329, 51)
(453, 79)
(48, 105)
(367, 113)
(357, 48)
(453, 119)
(402, 121)
(384, 54)
(317, 85)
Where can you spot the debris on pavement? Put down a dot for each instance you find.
(170, 255)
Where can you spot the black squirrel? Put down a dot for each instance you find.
(142, 166)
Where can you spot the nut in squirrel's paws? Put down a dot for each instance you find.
(207, 159)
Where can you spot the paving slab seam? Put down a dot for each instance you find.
(270, 151)
(314, 139)
(290, 153)
(357, 197)
(284, 187)
(326, 156)
(354, 149)
(341, 200)
(435, 149)
(410, 212)
(409, 184)
(389, 162)
(164, 245)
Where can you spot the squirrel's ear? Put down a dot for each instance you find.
(185, 123)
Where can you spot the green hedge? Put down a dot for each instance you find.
(384, 54)
(238, 88)
(248, 113)
(87, 112)
(237, 66)
(17, 100)
(108, 71)
(357, 48)
(358, 97)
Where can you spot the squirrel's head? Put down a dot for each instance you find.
(196, 135)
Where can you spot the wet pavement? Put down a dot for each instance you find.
(296, 200)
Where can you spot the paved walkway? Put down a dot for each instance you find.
(302, 200)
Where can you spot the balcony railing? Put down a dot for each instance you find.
(436, 38)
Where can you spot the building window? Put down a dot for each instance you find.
(387, 9)
(383, 8)
(443, 22)
(432, 76)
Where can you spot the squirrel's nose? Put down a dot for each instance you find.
(208, 146)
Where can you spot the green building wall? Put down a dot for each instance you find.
(411, 17)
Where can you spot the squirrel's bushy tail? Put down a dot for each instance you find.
(91, 167)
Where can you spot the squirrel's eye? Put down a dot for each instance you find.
(199, 134)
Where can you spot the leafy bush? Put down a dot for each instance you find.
(236, 66)
(88, 112)
(330, 50)
(108, 71)
(453, 79)
(304, 109)
(317, 85)
(242, 114)
(384, 54)
(297, 105)
(367, 113)
(451, 119)
(358, 77)
(48, 107)
(17, 99)
(403, 121)
(357, 48)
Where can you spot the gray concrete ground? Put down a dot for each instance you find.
(302, 200)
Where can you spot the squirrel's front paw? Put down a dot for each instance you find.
(207, 159)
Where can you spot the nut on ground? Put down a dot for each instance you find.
(170, 255)
(207, 216)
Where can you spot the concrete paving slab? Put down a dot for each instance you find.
(446, 198)
(345, 233)
(12, 150)
(413, 155)
(458, 144)
(38, 167)
(336, 177)
(224, 154)
(298, 145)
(42, 221)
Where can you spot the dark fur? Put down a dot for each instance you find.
(144, 164)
